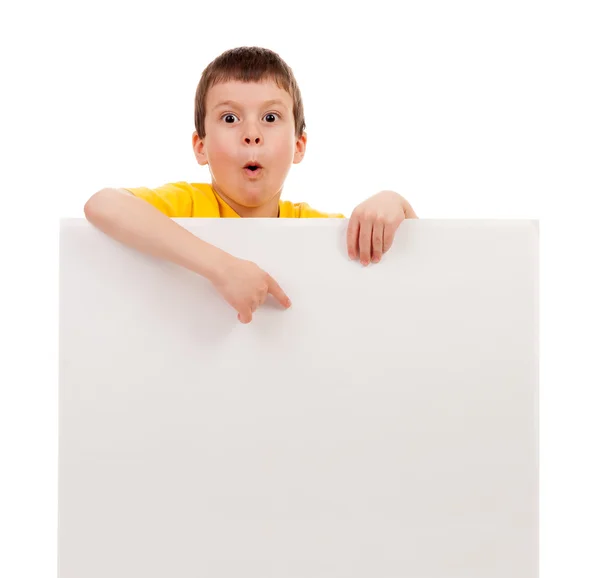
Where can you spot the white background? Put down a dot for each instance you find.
(468, 109)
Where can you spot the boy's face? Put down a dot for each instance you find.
(249, 123)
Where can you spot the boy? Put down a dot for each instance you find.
(249, 122)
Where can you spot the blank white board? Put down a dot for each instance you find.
(385, 426)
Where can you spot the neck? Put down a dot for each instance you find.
(269, 210)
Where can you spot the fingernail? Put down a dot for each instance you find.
(375, 259)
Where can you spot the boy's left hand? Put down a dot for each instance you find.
(374, 223)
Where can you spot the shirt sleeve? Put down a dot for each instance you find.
(173, 199)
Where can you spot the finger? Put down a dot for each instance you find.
(278, 293)
(389, 232)
(352, 237)
(245, 316)
(263, 296)
(378, 228)
(364, 240)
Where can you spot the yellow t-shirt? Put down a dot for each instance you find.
(183, 200)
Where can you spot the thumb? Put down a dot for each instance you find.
(245, 316)
(409, 211)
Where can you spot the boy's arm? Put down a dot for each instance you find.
(136, 223)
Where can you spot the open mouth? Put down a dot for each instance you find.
(253, 168)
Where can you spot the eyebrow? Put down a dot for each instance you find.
(233, 103)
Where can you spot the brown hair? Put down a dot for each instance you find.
(248, 64)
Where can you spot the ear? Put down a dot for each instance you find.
(300, 148)
(199, 149)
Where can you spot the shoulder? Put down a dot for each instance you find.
(201, 191)
(180, 198)
(304, 211)
(168, 188)
(176, 188)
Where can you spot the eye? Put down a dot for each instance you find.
(271, 114)
(225, 116)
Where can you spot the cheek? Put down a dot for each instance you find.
(220, 155)
(285, 150)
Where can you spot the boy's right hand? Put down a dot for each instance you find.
(245, 286)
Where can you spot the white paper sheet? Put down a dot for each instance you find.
(385, 426)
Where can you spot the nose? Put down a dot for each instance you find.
(253, 134)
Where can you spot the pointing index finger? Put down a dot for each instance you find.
(278, 292)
